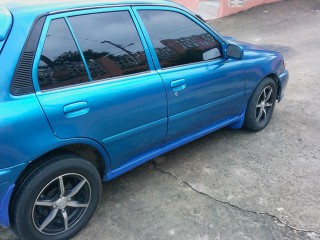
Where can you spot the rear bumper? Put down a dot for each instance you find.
(284, 77)
(8, 177)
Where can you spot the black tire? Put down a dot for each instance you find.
(67, 188)
(261, 105)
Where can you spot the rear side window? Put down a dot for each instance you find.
(60, 62)
(177, 39)
(110, 44)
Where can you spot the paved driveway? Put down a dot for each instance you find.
(233, 184)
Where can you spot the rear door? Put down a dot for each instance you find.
(95, 78)
(203, 87)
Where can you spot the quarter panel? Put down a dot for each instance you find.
(24, 130)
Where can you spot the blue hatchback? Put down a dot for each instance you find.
(90, 90)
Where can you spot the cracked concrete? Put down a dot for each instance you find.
(311, 233)
(233, 184)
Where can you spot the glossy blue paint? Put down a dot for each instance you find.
(168, 147)
(260, 63)
(7, 184)
(284, 77)
(6, 23)
(76, 109)
(178, 85)
(128, 120)
(239, 123)
(4, 207)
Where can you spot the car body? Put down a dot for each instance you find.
(128, 99)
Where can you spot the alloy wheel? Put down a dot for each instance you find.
(264, 105)
(61, 204)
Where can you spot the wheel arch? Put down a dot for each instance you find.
(93, 153)
(277, 82)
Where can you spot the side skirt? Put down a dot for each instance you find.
(233, 122)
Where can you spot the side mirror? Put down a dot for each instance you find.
(234, 51)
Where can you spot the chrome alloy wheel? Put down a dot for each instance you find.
(61, 204)
(264, 105)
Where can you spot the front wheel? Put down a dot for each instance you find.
(57, 199)
(261, 105)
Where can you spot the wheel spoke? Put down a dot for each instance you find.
(62, 191)
(76, 189)
(77, 204)
(269, 95)
(49, 219)
(259, 115)
(65, 218)
(264, 94)
(44, 203)
(268, 104)
(259, 105)
(265, 113)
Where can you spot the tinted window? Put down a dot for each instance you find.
(60, 62)
(110, 43)
(177, 39)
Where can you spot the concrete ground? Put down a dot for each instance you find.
(233, 184)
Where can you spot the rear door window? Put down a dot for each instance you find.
(110, 44)
(60, 61)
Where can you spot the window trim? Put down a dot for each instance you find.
(29, 48)
(65, 15)
(194, 19)
(97, 82)
(79, 48)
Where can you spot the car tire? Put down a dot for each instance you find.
(57, 199)
(261, 105)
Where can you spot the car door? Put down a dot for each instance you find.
(94, 78)
(203, 86)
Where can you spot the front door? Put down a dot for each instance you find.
(203, 87)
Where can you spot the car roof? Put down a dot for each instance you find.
(38, 7)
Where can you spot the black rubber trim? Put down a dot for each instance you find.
(22, 79)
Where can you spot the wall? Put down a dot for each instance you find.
(225, 9)
(190, 4)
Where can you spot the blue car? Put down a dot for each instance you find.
(90, 90)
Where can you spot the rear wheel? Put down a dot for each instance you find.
(57, 199)
(261, 105)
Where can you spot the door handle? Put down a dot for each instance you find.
(178, 85)
(75, 109)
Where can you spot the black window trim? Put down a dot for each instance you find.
(24, 68)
